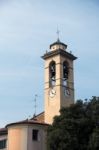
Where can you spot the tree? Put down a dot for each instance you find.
(94, 140)
(76, 126)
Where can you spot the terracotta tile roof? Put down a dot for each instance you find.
(39, 117)
(28, 122)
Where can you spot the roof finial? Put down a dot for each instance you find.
(58, 32)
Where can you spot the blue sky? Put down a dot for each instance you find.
(27, 28)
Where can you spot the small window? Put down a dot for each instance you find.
(35, 135)
(52, 72)
(65, 73)
(3, 144)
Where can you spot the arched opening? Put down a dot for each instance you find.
(65, 72)
(52, 73)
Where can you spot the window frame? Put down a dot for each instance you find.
(3, 143)
(35, 133)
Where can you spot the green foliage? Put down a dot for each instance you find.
(76, 128)
(94, 140)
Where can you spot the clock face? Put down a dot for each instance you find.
(66, 92)
(52, 93)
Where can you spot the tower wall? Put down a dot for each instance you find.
(52, 104)
(61, 73)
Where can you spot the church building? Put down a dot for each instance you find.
(30, 134)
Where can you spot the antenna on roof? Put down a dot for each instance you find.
(58, 32)
(35, 104)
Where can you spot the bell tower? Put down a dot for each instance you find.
(59, 79)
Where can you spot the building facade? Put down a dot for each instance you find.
(30, 134)
(3, 138)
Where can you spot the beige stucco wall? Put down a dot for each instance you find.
(53, 105)
(20, 137)
(41, 143)
(17, 138)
